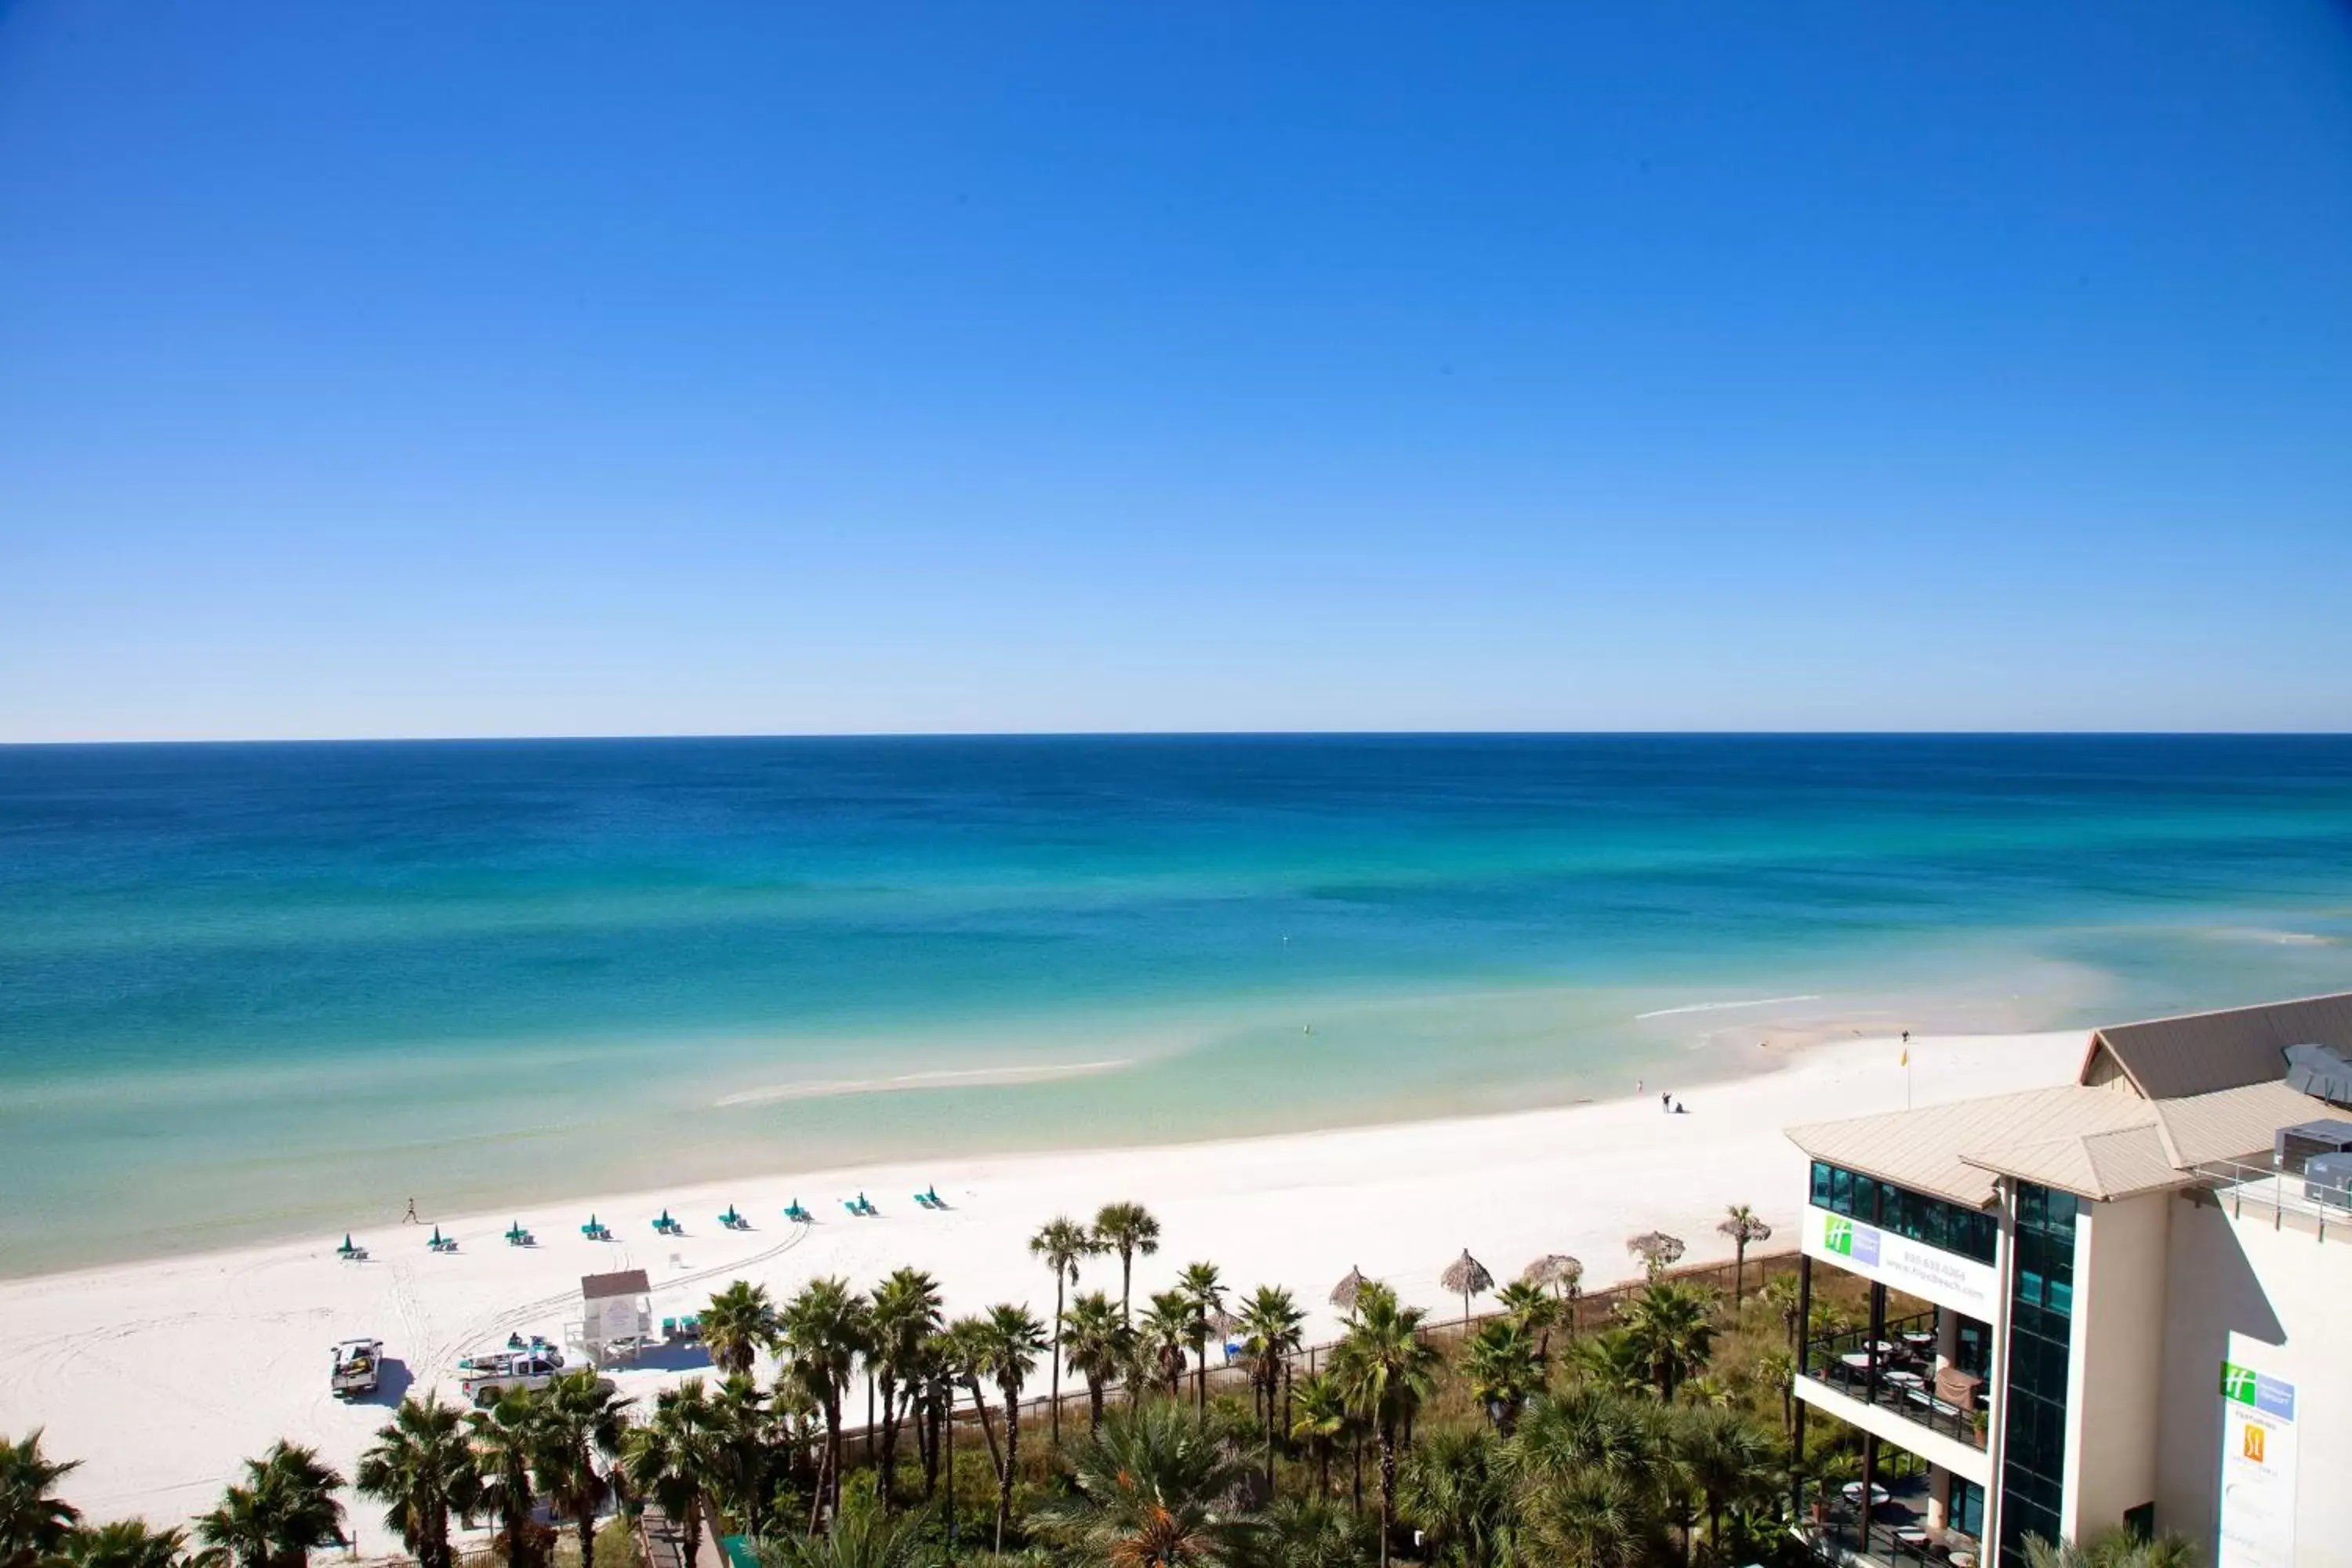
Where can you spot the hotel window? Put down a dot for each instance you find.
(1947, 1226)
(1967, 1514)
(2040, 1329)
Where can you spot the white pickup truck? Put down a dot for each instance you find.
(359, 1365)
(531, 1369)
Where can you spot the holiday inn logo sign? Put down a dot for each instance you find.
(1931, 1273)
(2258, 1463)
(1855, 1243)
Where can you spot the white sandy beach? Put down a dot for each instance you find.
(160, 1376)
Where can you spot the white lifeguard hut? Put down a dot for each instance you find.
(616, 1315)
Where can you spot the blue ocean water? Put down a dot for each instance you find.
(253, 989)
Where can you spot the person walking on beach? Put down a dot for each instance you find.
(411, 1218)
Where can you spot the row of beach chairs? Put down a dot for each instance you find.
(860, 1208)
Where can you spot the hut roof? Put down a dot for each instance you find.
(628, 1282)
(1466, 1276)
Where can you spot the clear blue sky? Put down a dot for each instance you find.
(464, 368)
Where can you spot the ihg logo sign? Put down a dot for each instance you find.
(1847, 1239)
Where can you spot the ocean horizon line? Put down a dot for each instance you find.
(557, 737)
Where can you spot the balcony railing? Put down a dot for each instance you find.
(2235, 1184)
(1829, 1527)
(1895, 1372)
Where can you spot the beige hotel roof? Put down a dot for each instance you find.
(2172, 1094)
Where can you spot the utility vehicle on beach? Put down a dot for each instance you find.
(358, 1366)
(526, 1370)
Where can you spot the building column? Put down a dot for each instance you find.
(1939, 1497)
(1877, 1332)
(1869, 1480)
(1796, 1427)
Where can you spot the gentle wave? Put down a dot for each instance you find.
(962, 1078)
(1723, 1006)
(2284, 938)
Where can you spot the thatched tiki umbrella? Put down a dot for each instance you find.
(1658, 1251)
(1344, 1294)
(1466, 1277)
(1564, 1274)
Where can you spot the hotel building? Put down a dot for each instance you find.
(2122, 1303)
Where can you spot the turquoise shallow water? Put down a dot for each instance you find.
(249, 990)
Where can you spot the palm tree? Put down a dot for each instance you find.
(1127, 1230)
(506, 1441)
(862, 1535)
(285, 1509)
(2116, 1549)
(1531, 1309)
(1206, 1294)
(1272, 1327)
(1386, 1371)
(1318, 1421)
(1591, 1519)
(1781, 1294)
(966, 1347)
(422, 1470)
(124, 1543)
(745, 1451)
(1060, 1244)
(1611, 1360)
(579, 1419)
(740, 1322)
(1775, 1370)
(1310, 1533)
(672, 1456)
(1669, 1326)
(824, 1331)
(1015, 1341)
(904, 1316)
(1658, 1251)
(1503, 1368)
(1725, 1460)
(1453, 1492)
(1466, 1277)
(1099, 1346)
(34, 1521)
(1152, 1488)
(1166, 1330)
(1588, 1428)
(931, 1385)
(1741, 1224)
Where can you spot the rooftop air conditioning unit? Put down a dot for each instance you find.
(2328, 1179)
(2321, 1071)
(2291, 1148)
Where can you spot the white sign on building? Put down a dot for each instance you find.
(2257, 1463)
(1931, 1273)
